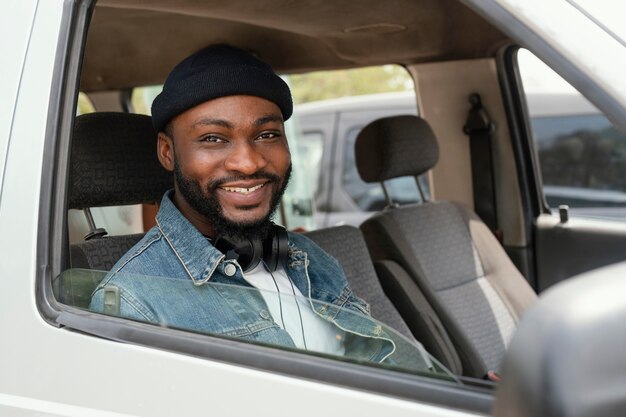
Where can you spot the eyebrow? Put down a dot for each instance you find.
(225, 123)
(217, 122)
(268, 119)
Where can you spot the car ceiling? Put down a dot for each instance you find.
(137, 42)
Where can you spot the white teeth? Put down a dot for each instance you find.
(243, 190)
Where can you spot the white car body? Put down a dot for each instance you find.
(53, 371)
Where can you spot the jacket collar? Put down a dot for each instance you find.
(198, 256)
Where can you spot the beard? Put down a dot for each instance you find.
(205, 202)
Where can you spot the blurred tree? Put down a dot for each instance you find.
(84, 105)
(586, 158)
(323, 85)
(142, 98)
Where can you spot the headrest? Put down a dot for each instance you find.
(114, 161)
(394, 147)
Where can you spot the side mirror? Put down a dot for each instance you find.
(568, 357)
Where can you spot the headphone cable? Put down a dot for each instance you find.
(295, 298)
(280, 302)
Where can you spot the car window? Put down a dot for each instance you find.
(80, 288)
(84, 104)
(243, 314)
(341, 103)
(116, 220)
(312, 146)
(581, 155)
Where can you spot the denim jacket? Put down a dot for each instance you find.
(198, 289)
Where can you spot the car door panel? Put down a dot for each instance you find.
(576, 246)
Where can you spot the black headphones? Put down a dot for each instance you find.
(248, 253)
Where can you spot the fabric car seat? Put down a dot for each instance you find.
(113, 163)
(347, 245)
(443, 247)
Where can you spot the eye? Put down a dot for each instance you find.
(269, 135)
(212, 139)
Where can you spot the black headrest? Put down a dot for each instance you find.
(114, 161)
(394, 147)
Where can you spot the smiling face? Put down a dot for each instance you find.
(231, 164)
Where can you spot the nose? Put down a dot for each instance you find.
(245, 158)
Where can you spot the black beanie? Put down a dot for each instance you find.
(218, 71)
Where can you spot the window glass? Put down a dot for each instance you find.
(84, 104)
(141, 98)
(365, 94)
(324, 85)
(116, 220)
(312, 145)
(582, 156)
(249, 315)
(296, 205)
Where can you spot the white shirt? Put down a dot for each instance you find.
(292, 312)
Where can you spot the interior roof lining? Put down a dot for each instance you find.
(137, 42)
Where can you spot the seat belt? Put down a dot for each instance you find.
(479, 129)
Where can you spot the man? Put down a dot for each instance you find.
(215, 262)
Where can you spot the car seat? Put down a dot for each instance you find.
(113, 163)
(443, 247)
(346, 244)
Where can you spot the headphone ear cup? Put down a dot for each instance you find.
(247, 253)
(276, 248)
(255, 254)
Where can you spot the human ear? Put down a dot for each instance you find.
(165, 151)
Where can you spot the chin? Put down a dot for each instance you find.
(246, 218)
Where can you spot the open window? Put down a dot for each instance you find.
(332, 108)
(581, 154)
(141, 55)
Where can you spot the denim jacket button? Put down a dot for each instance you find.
(265, 314)
(230, 270)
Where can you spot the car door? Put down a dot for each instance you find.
(579, 162)
(578, 238)
(13, 50)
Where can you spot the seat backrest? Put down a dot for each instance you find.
(451, 255)
(102, 254)
(346, 244)
(113, 163)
